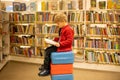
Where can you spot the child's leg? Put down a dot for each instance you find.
(47, 60)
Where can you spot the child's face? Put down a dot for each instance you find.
(60, 24)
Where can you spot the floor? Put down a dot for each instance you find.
(26, 71)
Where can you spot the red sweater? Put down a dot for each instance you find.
(66, 39)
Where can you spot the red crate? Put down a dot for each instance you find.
(61, 69)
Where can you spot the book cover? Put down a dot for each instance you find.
(53, 5)
(63, 5)
(22, 7)
(33, 6)
(102, 4)
(110, 4)
(43, 5)
(118, 4)
(16, 6)
(2, 6)
(93, 3)
(80, 4)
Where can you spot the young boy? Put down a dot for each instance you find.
(64, 42)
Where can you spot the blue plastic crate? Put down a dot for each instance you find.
(62, 77)
(62, 57)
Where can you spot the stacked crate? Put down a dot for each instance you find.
(62, 65)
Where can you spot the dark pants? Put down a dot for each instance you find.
(47, 58)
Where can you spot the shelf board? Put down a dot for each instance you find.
(82, 65)
(102, 67)
(26, 59)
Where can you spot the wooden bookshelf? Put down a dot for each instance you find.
(22, 33)
(4, 37)
(102, 30)
(96, 26)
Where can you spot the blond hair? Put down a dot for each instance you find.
(60, 17)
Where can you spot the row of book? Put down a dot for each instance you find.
(97, 30)
(77, 16)
(103, 17)
(16, 17)
(103, 30)
(101, 4)
(28, 52)
(78, 43)
(40, 41)
(40, 51)
(78, 29)
(22, 40)
(45, 16)
(22, 29)
(62, 5)
(99, 43)
(47, 29)
(102, 57)
(113, 30)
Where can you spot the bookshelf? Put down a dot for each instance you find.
(4, 37)
(96, 27)
(22, 33)
(102, 41)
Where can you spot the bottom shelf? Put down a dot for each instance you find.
(102, 67)
(83, 65)
(26, 59)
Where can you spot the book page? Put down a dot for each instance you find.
(49, 41)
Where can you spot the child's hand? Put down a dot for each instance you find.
(57, 44)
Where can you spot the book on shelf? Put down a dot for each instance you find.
(93, 4)
(113, 4)
(44, 5)
(110, 4)
(53, 5)
(74, 5)
(22, 6)
(2, 6)
(80, 4)
(28, 52)
(102, 4)
(79, 55)
(16, 6)
(102, 57)
(78, 42)
(118, 4)
(33, 6)
(63, 5)
(39, 51)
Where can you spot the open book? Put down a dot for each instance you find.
(49, 41)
